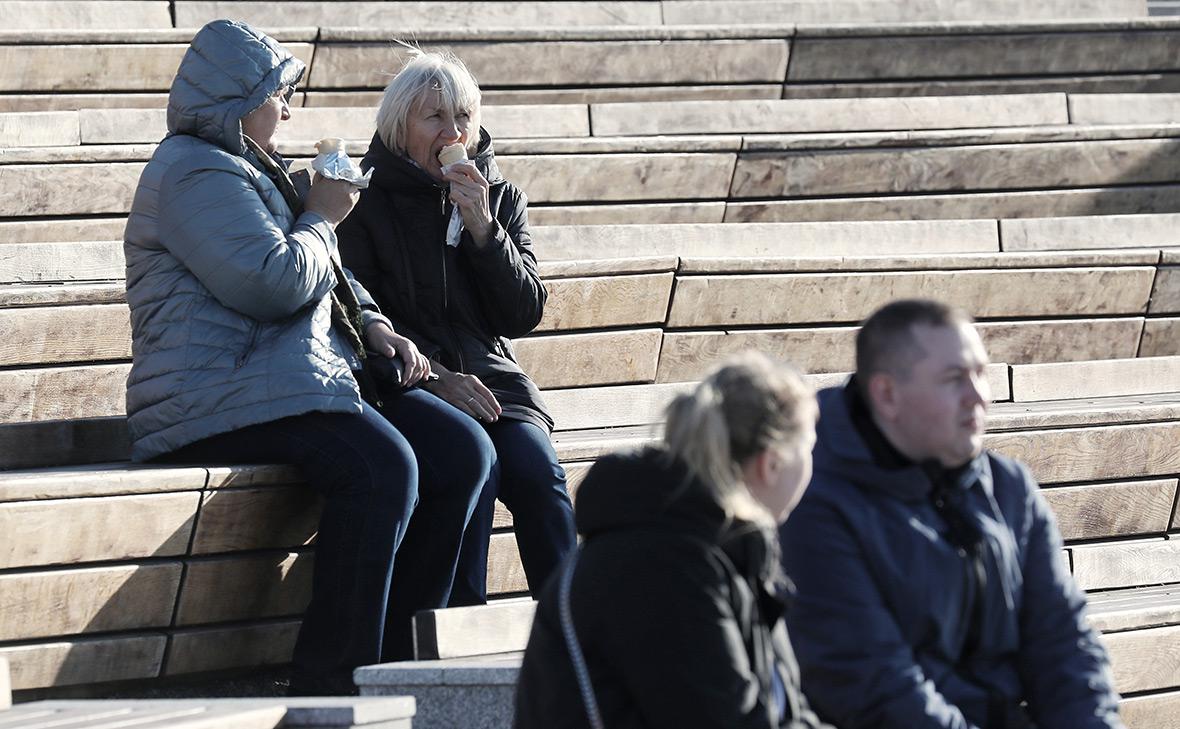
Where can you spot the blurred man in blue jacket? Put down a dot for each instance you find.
(932, 591)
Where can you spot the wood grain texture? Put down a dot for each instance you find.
(1145, 659)
(5, 685)
(102, 599)
(1106, 378)
(245, 588)
(51, 334)
(52, 231)
(98, 66)
(65, 14)
(1139, 607)
(583, 303)
(1165, 295)
(597, 358)
(63, 443)
(1149, 230)
(473, 631)
(401, 15)
(67, 189)
(941, 169)
(505, 572)
(62, 393)
(607, 407)
(1024, 204)
(66, 531)
(85, 660)
(722, 300)
(1097, 511)
(113, 479)
(952, 55)
(1147, 562)
(575, 178)
(1156, 711)
(671, 213)
(753, 240)
(50, 262)
(39, 128)
(232, 520)
(1161, 337)
(564, 63)
(1083, 454)
(26, 295)
(1123, 108)
(210, 649)
(827, 115)
(1061, 340)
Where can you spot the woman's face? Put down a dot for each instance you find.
(780, 475)
(431, 127)
(261, 124)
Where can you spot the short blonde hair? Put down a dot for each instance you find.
(747, 405)
(425, 72)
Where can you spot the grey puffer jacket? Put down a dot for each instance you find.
(228, 290)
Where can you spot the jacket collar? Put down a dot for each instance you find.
(851, 447)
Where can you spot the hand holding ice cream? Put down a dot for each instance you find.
(334, 164)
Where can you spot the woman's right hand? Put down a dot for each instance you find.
(333, 199)
(467, 393)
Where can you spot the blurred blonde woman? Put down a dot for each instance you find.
(671, 613)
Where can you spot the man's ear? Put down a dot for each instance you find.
(883, 396)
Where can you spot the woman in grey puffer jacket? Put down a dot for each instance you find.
(246, 332)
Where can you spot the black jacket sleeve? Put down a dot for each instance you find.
(506, 278)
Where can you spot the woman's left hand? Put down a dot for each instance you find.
(388, 343)
(469, 193)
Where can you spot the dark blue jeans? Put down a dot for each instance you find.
(530, 482)
(388, 491)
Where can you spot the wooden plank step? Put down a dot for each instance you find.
(94, 600)
(692, 265)
(938, 51)
(52, 231)
(1153, 711)
(1092, 231)
(82, 66)
(498, 627)
(196, 650)
(1023, 204)
(693, 12)
(702, 301)
(802, 240)
(237, 519)
(584, 303)
(126, 126)
(1161, 337)
(195, 13)
(569, 94)
(827, 115)
(1141, 607)
(1109, 378)
(1123, 108)
(63, 14)
(96, 529)
(353, 63)
(1094, 453)
(942, 169)
(684, 355)
(1145, 660)
(39, 128)
(594, 358)
(225, 589)
(109, 479)
(1119, 509)
(85, 660)
(624, 213)
(5, 685)
(1126, 564)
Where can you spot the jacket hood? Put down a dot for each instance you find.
(229, 70)
(650, 490)
(841, 452)
(395, 172)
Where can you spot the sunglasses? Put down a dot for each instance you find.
(286, 95)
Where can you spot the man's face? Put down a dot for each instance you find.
(938, 410)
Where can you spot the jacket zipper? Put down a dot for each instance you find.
(442, 199)
(245, 355)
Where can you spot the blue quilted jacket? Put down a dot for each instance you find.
(890, 626)
(228, 290)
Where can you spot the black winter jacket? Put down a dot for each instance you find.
(677, 609)
(459, 305)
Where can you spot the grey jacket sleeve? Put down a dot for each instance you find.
(212, 219)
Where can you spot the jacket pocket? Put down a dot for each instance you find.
(249, 349)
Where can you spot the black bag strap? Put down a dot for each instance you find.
(581, 671)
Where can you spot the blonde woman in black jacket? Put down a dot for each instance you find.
(447, 255)
(674, 606)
